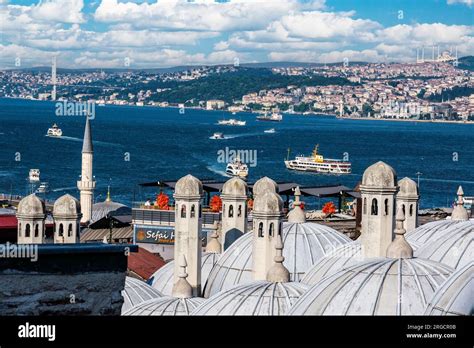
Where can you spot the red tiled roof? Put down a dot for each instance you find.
(8, 222)
(144, 263)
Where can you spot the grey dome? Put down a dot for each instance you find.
(256, 298)
(31, 207)
(263, 185)
(235, 187)
(455, 247)
(342, 257)
(455, 296)
(267, 202)
(163, 278)
(188, 186)
(379, 286)
(165, 306)
(66, 206)
(430, 232)
(407, 188)
(379, 174)
(136, 292)
(304, 244)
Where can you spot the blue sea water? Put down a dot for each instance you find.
(164, 145)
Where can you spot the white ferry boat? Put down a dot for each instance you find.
(232, 122)
(34, 175)
(43, 188)
(274, 117)
(237, 168)
(54, 131)
(317, 163)
(217, 136)
(271, 130)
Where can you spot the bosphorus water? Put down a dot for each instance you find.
(145, 144)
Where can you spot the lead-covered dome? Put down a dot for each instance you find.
(136, 292)
(166, 306)
(256, 298)
(340, 258)
(456, 295)
(454, 247)
(163, 278)
(31, 206)
(304, 244)
(263, 185)
(235, 187)
(430, 232)
(380, 174)
(66, 206)
(188, 186)
(380, 286)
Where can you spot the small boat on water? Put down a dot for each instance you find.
(34, 175)
(43, 188)
(271, 130)
(317, 163)
(274, 117)
(54, 131)
(232, 122)
(237, 168)
(217, 136)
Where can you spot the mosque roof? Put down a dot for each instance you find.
(136, 292)
(165, 306)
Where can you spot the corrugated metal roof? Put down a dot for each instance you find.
(89, 234)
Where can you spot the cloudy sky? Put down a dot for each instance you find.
(163, 33)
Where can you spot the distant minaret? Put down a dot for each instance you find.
(53, 78)
(87, 183)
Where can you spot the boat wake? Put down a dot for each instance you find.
(214, 169)
(64, 189)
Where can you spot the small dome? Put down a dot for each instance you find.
(166, 306)
(268, 202)
(454, 247)
(407, 188)
(136, 292)
(428, 232)
(163, 278)
(188, 186)
(379, 286)
(342, 257)
(66, 206)
(235, 187)
(256, 298)
(379, 174)
(263, 185)
(455, 296)
(304, 244)
(31, 206)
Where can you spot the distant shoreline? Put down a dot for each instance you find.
(311, 114)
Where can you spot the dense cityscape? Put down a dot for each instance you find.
(438, 89)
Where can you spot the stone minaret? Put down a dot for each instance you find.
(263, 185)
(407, 200)
(31, 214)
(87, 183)
(278, 273)
(182, 288)
(234, 210)
(188, 224)
(399, 247)
(378, 190)
(67, 217)
(267, 224)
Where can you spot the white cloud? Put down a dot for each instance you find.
(469, 3)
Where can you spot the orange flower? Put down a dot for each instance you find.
(162, 201)
(216, 204)
(329, 208)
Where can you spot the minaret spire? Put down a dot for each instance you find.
(399, 248)
(182, 288)
(87, 183)
(278, 273)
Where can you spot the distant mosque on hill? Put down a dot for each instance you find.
(290, 267)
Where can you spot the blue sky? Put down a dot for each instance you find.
(109, 33)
